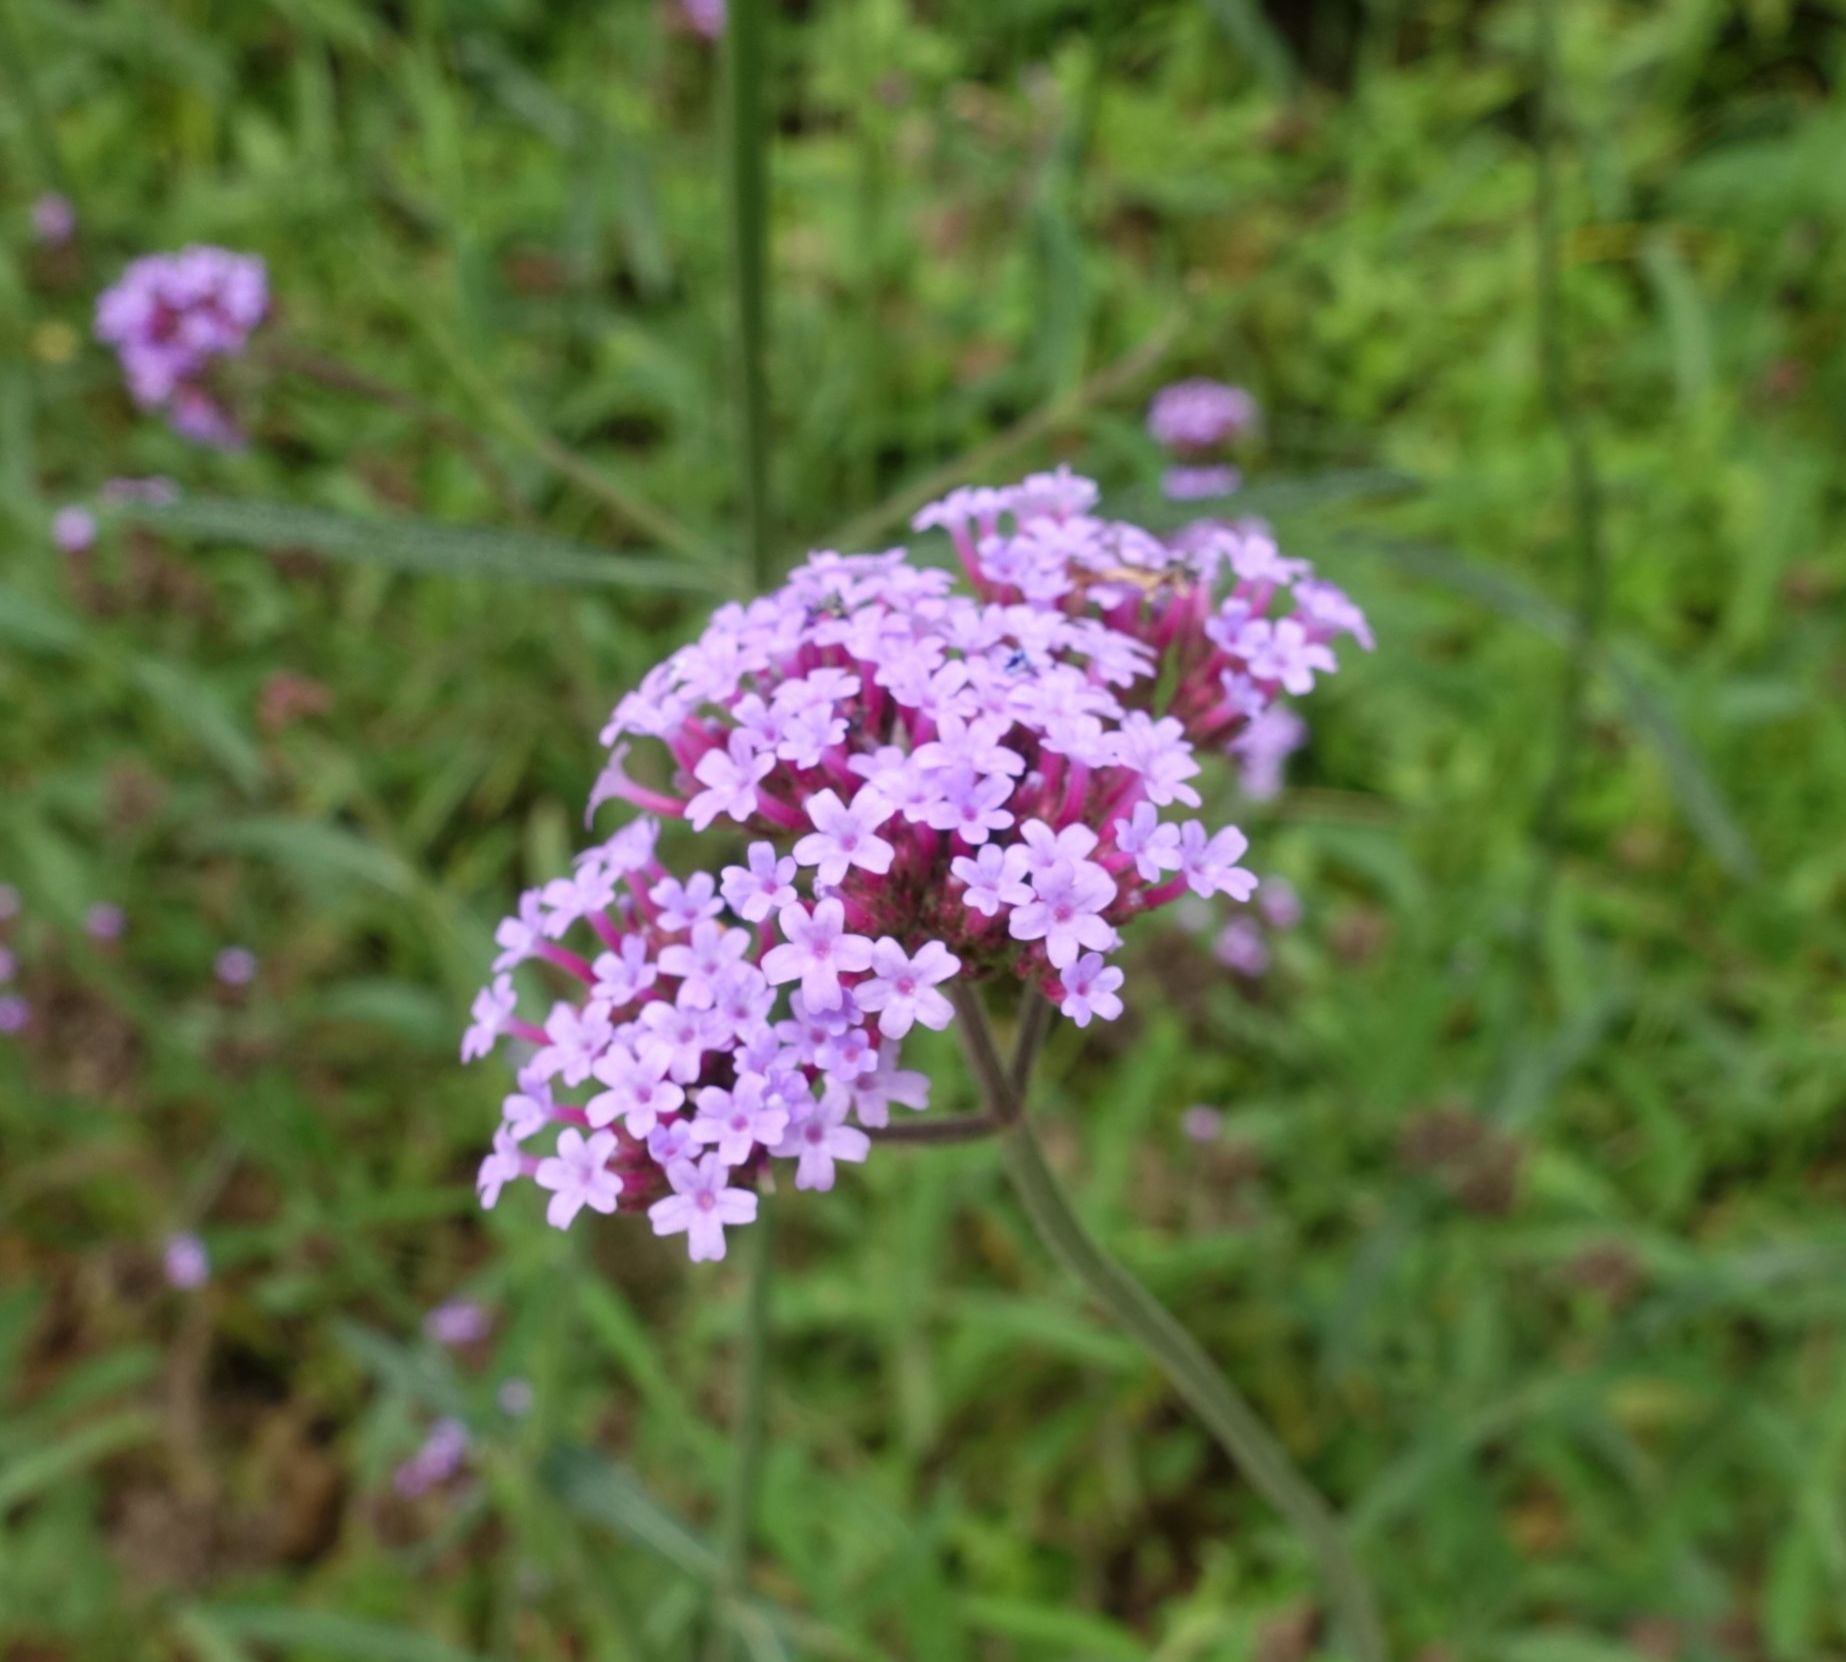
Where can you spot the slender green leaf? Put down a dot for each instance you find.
(418, 545)
(330, 1634)
(55, 1461)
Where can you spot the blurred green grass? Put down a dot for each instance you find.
(1574, 1368)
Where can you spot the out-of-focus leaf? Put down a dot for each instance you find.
(41, 1467)
(197, 708)
(327, 1633)
(419, 546)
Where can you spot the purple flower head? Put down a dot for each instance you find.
(171, 318)
(890, 785)
(15, 1014)
(185, 1263)
(73, 529)
(235, 966)
(105, 921)
(438, 1459)
(701, 17)
(1199, 414)
(1198, 484)
(54, 220)
(1202, 1124)
(1240, 947)
(460, 1321)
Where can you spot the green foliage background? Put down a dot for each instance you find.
(1526, 1227)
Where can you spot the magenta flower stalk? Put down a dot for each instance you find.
(172, 319)
(892, 791)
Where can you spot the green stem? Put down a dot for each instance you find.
(739, 1522)
(1236, 1426)
(747, 182)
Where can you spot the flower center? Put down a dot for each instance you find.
(707, 1200)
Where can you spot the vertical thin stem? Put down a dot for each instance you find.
(1585, 491)
(18, 71)
(746, 59)
(739, 1521)
(1236, 1426)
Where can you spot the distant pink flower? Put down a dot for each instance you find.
(105, 921)
(73, 529)
(185, 1262)
(9, 965)
(54, 220)
(1240, 946)
(235, 966)
(460, 1321)
(1199, 414)
(1202, 1124)
(15, 1014)
(436, 1461)
(171, 318)
(1198, 484)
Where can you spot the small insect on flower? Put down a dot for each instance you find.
(891, 789)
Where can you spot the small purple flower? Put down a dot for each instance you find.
(459, 1321)
(737, 1120)
(1284, 651)
(845, 836)
(1066, 912)
(1240, 947)
(1202, 1124)
(170, 317)
(730, 777)
(684, 904)
(1279, 903)
(1090, 987)
(902, 987)
(493, 1010)
(815, 952)
(639, 1092)
(766, 884)
(1198, 484)
(817, 1136)
(9, 965)
(104, 921)
(235, 966)
(438, 1459)
(994, 876)
(516, 1398)
(54, 220)
(578, 1175)
(185, 1262)
(1198, 414)
(73, 529)
(701, 1205)
(15, 1014)
(702, 17)
(1210, 866)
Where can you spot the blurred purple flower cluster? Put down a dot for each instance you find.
(934, 788)
(172, 318)
(1197, 420)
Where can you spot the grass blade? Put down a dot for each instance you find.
(45, 1466)
(747, 177)
(327, 1633)
(417, 545)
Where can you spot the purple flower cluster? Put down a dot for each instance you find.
(1195, 419)
(901, 786)
(54, 220)
(171, 318)
(702, 17)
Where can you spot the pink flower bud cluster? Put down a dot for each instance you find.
(902, 786)
(1196, 419)
(171, 318)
